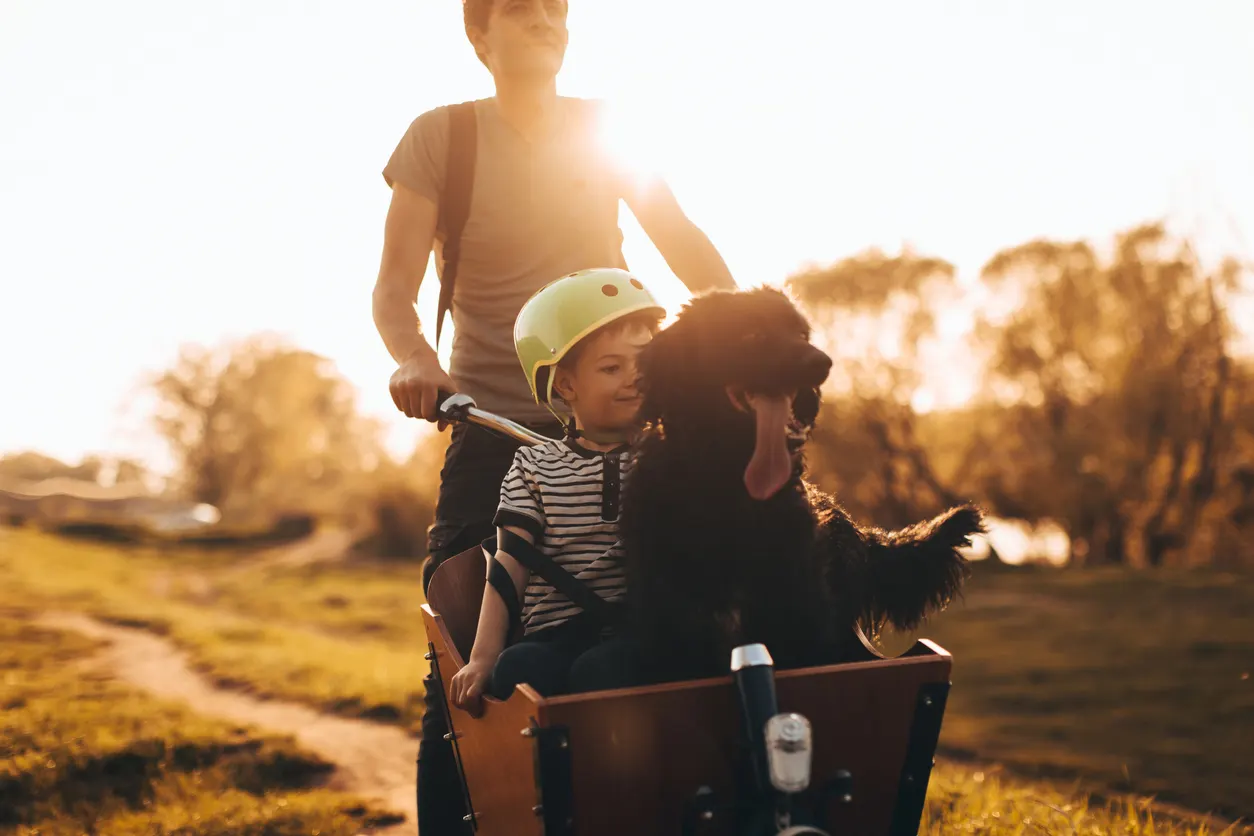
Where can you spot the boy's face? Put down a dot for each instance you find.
(524, 38)
(600, 387)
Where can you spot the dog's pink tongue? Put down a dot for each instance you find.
(771, 466)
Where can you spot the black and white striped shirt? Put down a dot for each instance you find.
(567, 498)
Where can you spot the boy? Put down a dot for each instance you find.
(577, 338)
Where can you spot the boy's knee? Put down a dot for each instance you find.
(538, 665)
(605, 667)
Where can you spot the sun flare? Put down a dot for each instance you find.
(632, 143)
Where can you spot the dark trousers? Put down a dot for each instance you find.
(470, 490)
(570, 658)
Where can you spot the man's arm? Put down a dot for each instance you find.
(408, 236)
(687, 250)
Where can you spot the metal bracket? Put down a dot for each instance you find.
(554, 790)
(929, 710)
(452, 736)
(700, 812)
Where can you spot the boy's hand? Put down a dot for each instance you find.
(469, 684)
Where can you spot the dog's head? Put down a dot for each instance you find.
(736, 369)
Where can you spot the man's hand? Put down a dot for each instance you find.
(416, 383)
(469, 683)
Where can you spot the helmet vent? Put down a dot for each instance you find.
(609, 290)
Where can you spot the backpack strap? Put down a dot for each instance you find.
(459, 180)
(539, 563)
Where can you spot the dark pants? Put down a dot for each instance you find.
(470, 490)
(570, 658)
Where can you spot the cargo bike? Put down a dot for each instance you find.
(840, 750)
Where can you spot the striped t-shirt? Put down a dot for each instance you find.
(567, 498)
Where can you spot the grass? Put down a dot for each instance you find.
(82, 754)
(1135, 682)
(964, 800)
(1116, 682)
(340, 639)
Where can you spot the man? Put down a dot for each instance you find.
(544, 204)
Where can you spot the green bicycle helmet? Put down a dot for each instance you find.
(565, 311)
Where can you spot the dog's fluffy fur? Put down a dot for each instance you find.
(708, 566)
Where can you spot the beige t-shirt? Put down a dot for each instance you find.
(539, 210)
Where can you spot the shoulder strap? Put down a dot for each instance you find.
(459, 179)
(564, 582)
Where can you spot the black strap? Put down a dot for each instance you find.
(459, 180)
(564, 582)
(498, 577)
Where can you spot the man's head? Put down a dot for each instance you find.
(522, 39)
(597, 376)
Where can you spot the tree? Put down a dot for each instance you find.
(874, 314)
(1115, 378)
(258, 428)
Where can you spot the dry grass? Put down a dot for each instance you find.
(82, 754)
(1079, 681)
(275, 637)
(1135, 682)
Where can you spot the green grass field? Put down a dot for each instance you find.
(1137, 682)
(343, 639)
(82, 754)
(1110, 681)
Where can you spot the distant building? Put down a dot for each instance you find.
(63, 501)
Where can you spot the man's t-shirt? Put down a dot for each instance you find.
(539, 210)
(567, 498)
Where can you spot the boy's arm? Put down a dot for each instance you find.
(468, 684)
(494, 617)
(686, 249)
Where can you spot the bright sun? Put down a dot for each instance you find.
(632, 142)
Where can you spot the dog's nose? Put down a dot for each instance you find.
(816, 366)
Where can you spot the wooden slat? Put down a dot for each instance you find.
(456, 593)
(639, 754)
(499, 761)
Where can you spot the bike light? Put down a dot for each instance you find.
(788, 749)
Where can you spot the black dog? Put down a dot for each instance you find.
(725, 541)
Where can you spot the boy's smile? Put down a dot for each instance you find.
(600, 388)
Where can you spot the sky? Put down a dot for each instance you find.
(177, 171)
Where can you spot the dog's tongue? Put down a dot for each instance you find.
(771, 465)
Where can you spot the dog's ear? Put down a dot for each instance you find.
(661, 366)
(805, 407)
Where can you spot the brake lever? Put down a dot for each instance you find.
(460, 408)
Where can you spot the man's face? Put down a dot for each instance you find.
(524, 38)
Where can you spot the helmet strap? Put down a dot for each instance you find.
(573, 432)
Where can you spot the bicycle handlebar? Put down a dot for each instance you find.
(459, 408)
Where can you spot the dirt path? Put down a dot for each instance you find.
(323, 546)
(372, 760)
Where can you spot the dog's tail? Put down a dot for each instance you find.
(918, 570)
